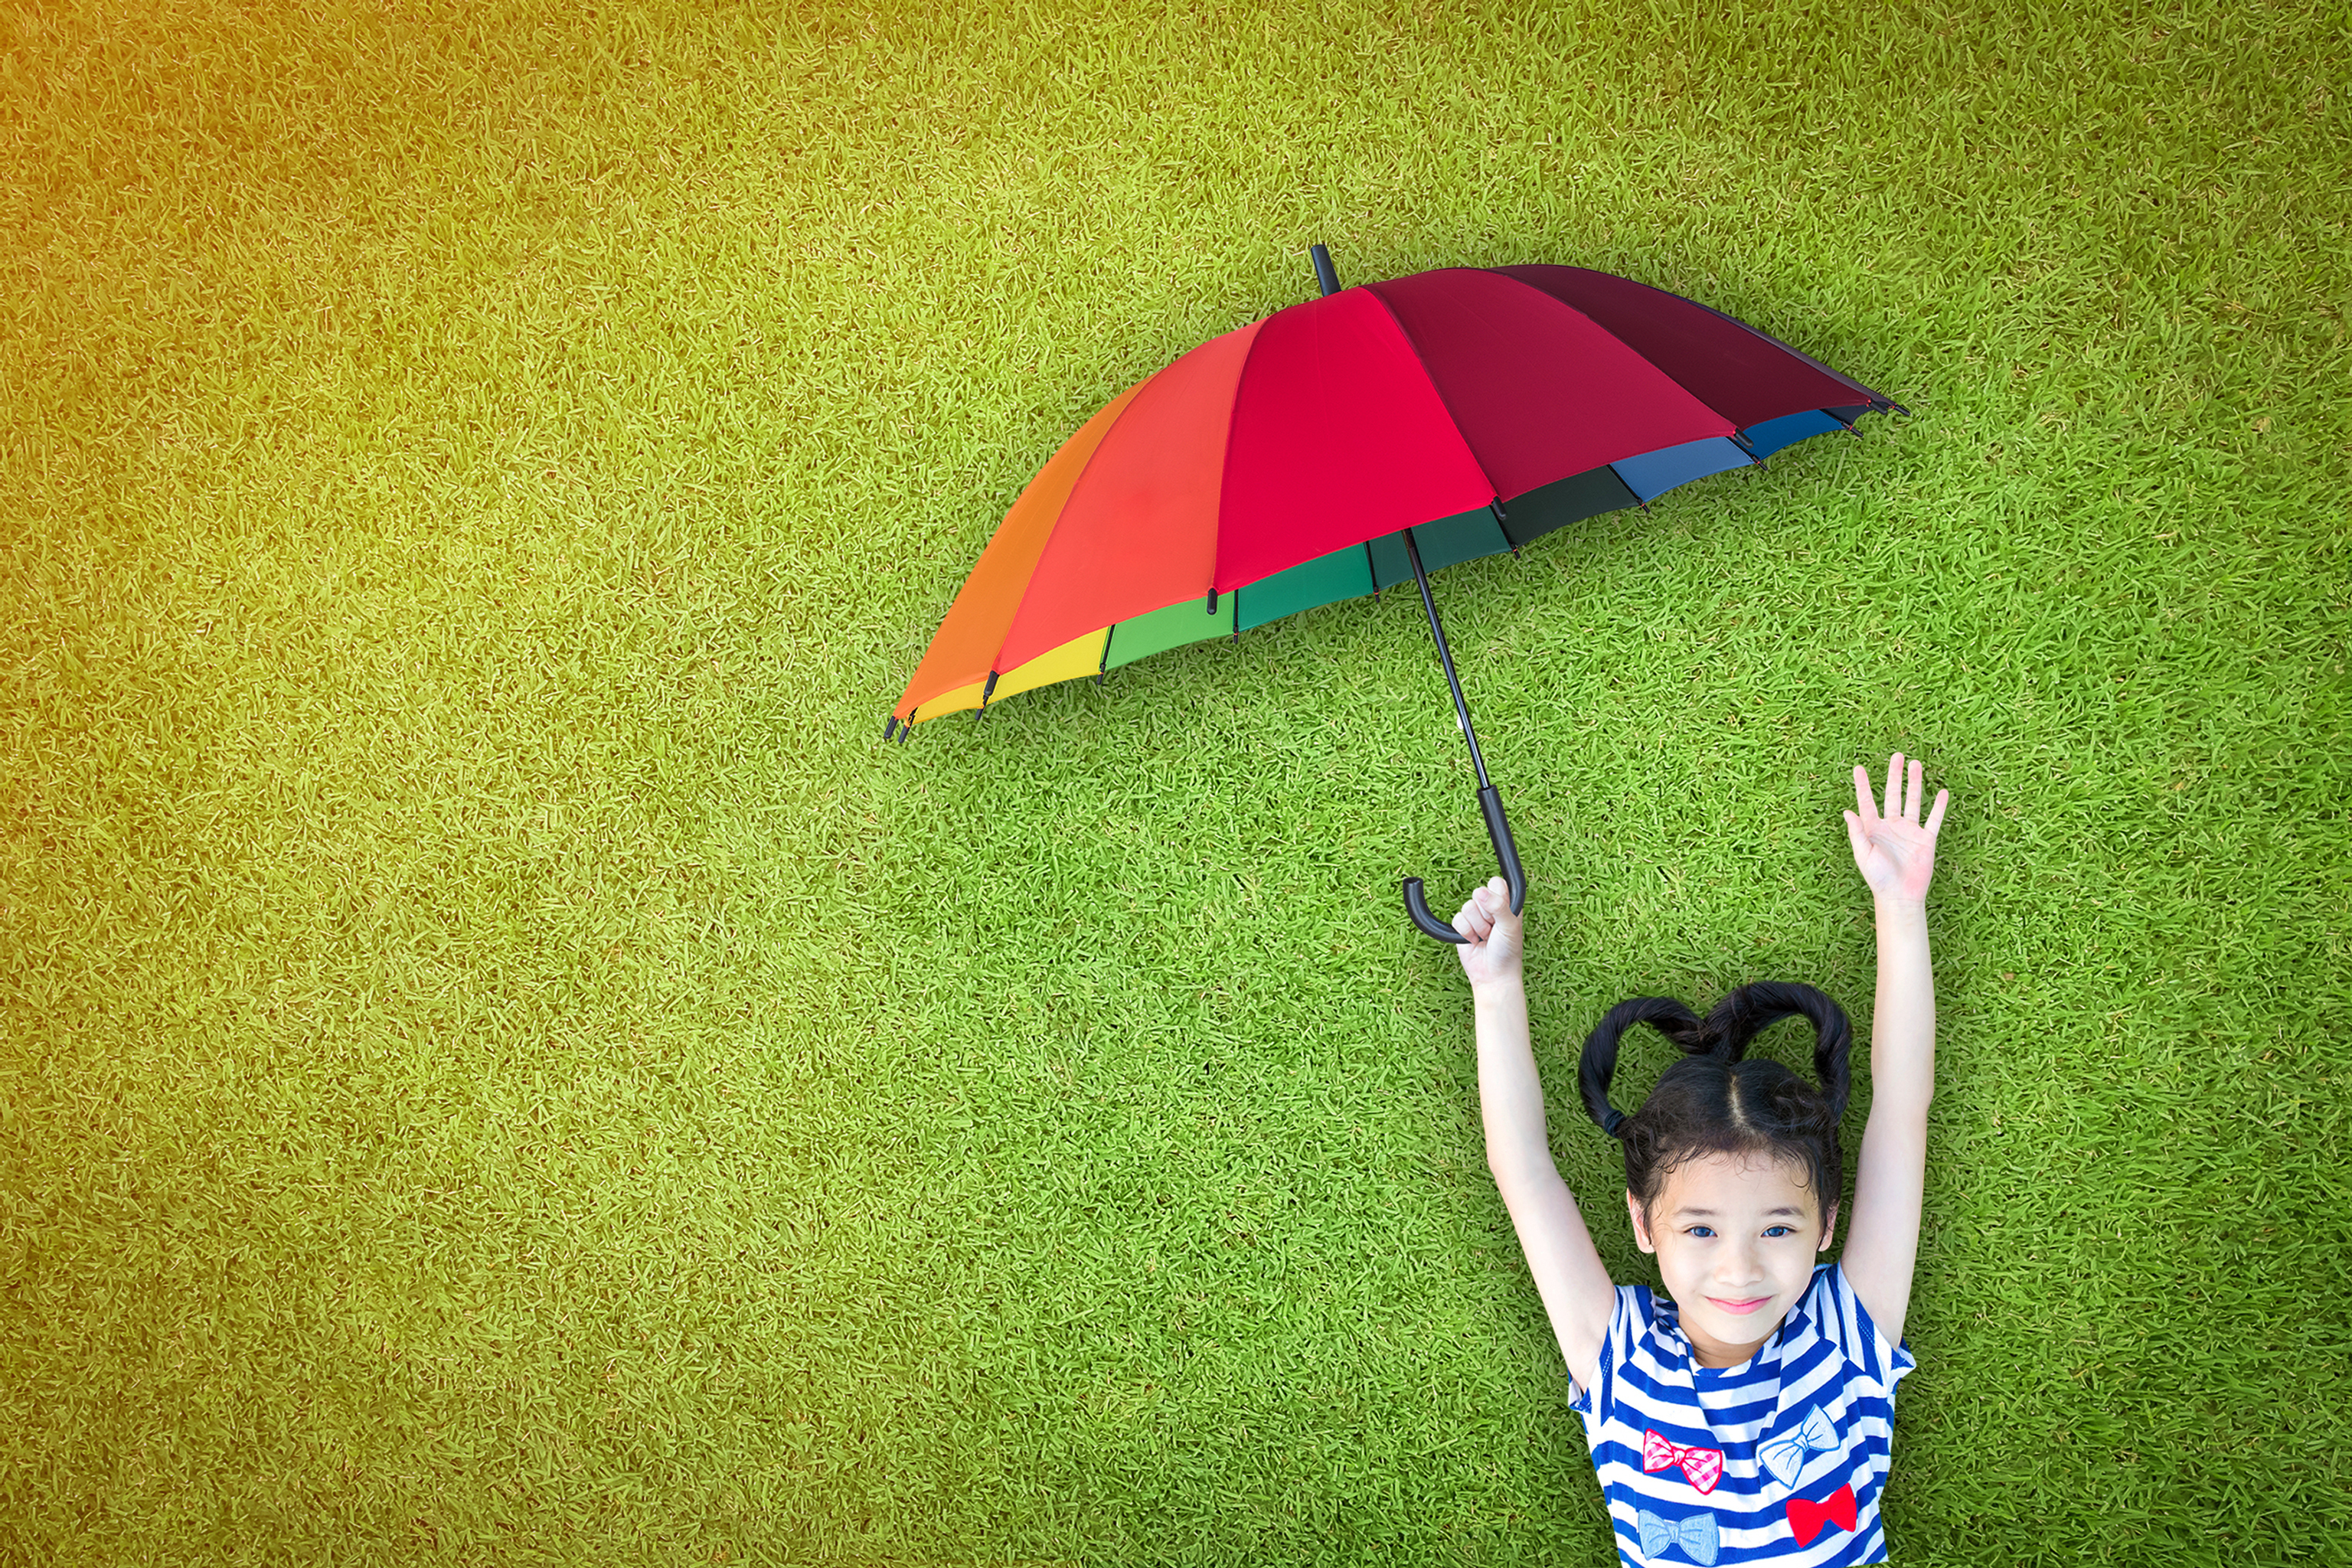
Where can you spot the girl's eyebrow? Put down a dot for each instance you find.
(1710, 1214)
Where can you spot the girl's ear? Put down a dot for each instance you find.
(1829, 1230)
(1640, 1225)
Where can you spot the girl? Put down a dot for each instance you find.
(1747, 1419)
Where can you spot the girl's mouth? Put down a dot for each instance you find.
(1739, 1308)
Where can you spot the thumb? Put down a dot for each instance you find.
(1494, 898)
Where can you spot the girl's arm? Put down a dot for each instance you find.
(1896, 855)
(1567, 1270)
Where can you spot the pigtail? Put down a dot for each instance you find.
(1598, 1065)
(1746, 1012)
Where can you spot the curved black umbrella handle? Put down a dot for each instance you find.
(1499, 829)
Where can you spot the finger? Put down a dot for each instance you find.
(1475, 920)
(1861, 792)
(1856, 837)
(1915, 793)
(1936, 817)
(1893, 811)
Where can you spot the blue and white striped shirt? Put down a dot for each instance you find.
(1780, 1459)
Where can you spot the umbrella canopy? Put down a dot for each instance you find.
(1278, 467)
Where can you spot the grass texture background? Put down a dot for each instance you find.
(499, 1063)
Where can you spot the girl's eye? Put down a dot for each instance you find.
(1702, 1230)
(1777, 1230)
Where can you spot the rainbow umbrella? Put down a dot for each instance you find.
(1359, 440)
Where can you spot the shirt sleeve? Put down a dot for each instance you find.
(1843, 1321)
(1627, 1319)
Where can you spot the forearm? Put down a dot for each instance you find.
(1510, 1094)
(1882, 1236)
(1903, 1023)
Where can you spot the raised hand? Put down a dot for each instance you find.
(1495, 932)
(1894, 851)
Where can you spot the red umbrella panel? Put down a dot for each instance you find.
(1278, 467)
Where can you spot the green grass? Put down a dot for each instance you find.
(497, 1063)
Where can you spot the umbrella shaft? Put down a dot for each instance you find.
(1445, 657)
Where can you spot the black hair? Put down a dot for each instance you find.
(1714, 1100)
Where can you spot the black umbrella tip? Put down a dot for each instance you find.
(1326, 275)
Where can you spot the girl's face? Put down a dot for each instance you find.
(1736, 1239)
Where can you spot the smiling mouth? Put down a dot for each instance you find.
(1739, 1307)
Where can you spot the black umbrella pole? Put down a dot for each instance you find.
(1490, 800)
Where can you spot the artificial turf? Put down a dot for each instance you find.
(500, 1063)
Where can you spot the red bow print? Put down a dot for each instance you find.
(1703, 1467)
(1807, 1519)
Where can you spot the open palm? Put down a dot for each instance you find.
(1894, 851)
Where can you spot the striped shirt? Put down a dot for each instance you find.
(1780, 1459)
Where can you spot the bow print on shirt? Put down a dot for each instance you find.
(1704, 1467)
(1786, 1456)
(1807, 1520)
(1695, 1535)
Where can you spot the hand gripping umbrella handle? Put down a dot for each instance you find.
(1499, 829)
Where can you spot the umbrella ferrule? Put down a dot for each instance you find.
(1327, 277)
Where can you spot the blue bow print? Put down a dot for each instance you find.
(1695, 1535)
(1785, 1457)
